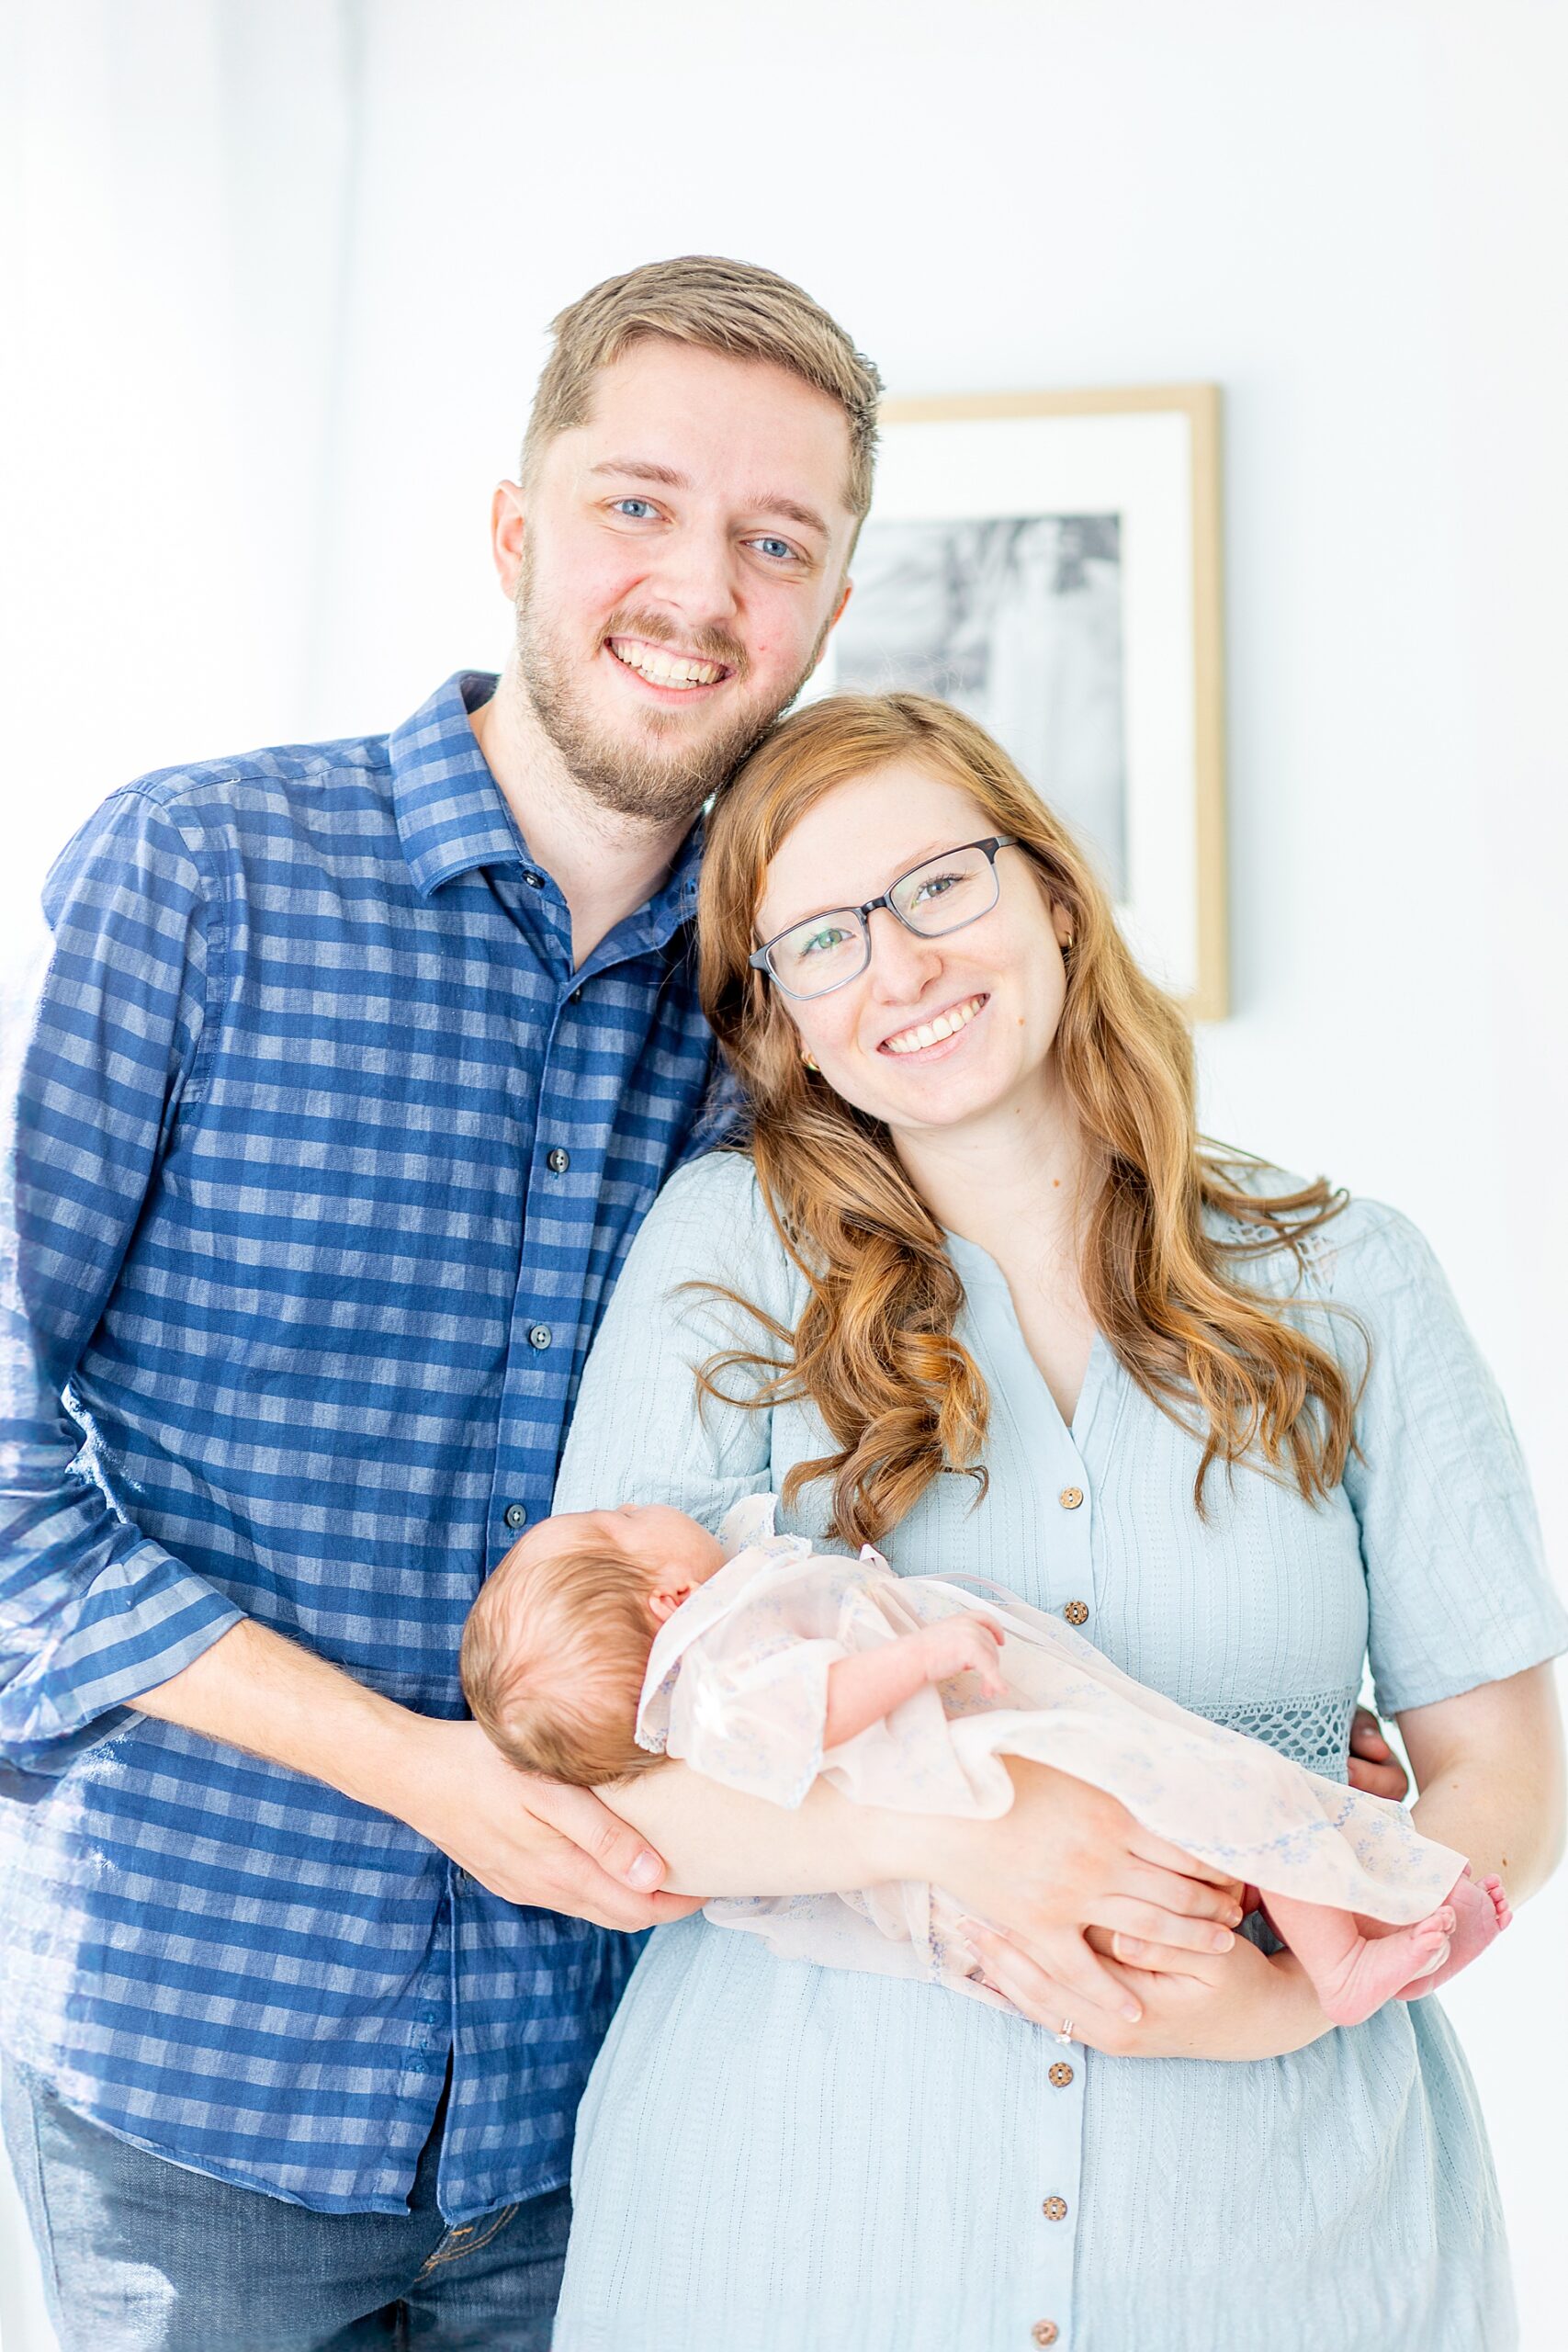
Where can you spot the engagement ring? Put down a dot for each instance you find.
(1066, 2032)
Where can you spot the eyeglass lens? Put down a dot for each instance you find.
(941, 896)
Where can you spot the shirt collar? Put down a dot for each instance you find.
(674, 904)
(452, 817)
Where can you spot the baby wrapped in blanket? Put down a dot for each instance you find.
(608, 1639)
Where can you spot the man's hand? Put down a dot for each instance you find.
(1066, 1859)
(529, 1841)
(532, 1840)
(1375, 1766)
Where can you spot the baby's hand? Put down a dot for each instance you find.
(964, 1645)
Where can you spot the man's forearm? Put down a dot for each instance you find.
(256, 1691)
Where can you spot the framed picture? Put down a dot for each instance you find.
(1050, 563)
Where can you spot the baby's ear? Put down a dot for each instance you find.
(665, 1599)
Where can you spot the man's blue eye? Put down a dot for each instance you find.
(775, 546)
(625, 505)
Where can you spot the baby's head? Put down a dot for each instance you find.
(555, 1645)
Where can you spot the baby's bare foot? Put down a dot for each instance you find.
(1379, 1966)
(1481, 1913)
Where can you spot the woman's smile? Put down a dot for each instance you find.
(928, 1040)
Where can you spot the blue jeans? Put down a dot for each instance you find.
(141, 2255)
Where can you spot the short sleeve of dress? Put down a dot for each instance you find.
(1458, 1590)
(640, 1432)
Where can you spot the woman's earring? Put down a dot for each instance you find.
(809, 1061)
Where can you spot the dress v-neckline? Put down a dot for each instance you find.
(1074, 1427)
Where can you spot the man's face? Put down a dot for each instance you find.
(677, 562)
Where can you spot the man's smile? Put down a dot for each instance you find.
(661, 666)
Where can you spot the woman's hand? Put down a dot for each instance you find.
(1375, 1766)
(1067, 1858)
(1234, 2005)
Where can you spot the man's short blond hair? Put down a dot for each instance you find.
(728, 306)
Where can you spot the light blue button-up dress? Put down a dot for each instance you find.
(787, 2158)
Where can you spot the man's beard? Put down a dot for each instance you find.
(634, 779)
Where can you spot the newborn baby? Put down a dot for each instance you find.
(606, 1639)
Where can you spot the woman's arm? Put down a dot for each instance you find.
(1065, 1857)
(1489, 1768)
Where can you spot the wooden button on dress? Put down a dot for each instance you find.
(1070, 1498)
(1077, 1612)
(1055, 2208)
(1044, 2331)
(1061, 2074)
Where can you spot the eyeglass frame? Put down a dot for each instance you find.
(993, 842)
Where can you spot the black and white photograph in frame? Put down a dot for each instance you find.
(1050, 564)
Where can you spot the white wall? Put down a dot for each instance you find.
(258, 467)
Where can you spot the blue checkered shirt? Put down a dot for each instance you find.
(325, 1159)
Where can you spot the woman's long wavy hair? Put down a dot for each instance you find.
(875, 1349)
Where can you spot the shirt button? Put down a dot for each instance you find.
(577, 995)
(538, 1334)
(1044, 2331)
(1061, 2074)
(515, 1516)
(558, 1162)
(1055, 2208)
(1077, 1612)
(535, 881)
(1070, 1498)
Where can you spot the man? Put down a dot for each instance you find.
(356, 1066)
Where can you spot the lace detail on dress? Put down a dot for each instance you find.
(1319, 1254)
(1315, 1253)
(1314, 1730)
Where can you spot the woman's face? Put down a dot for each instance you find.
(995, 988)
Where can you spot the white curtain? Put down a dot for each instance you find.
(178, 184)
(179, 176)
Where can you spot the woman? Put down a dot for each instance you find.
(977, 1294)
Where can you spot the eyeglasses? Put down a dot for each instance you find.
(829, 950)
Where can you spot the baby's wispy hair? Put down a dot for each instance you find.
(552, 1663)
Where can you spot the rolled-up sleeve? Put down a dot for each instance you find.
(1458, 1588)
(93, 1613)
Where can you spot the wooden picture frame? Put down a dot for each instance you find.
(1119, 491)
